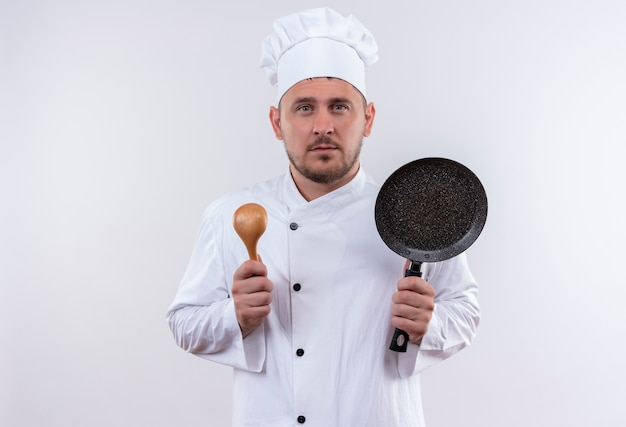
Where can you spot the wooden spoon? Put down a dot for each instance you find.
(250, 222)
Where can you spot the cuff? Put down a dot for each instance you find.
(416, 358)
(252, 347)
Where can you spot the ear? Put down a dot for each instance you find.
(275, 121)
(370, 113)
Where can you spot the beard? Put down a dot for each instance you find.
(328, 173)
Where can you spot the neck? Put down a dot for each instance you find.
(312, 190)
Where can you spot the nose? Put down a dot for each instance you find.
(323, 124)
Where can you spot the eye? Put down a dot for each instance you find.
(304, 108)
(339, 107)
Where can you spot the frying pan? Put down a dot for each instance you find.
(429, 210)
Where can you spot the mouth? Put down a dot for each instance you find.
(323, 148)
(323, 145)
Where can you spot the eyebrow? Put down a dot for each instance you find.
(312, 100)
(304, 100)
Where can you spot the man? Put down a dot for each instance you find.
(307, 326)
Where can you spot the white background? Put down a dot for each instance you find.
(121, 120)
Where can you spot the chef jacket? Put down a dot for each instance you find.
(321, 357)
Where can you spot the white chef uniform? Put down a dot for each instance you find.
(321, 357)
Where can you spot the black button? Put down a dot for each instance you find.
(301, 419)
(300, 352)
(297, 287)
(293, 226)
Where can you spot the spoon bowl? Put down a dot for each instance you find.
(250, 222)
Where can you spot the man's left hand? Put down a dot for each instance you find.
(413, 306)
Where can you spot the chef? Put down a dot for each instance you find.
(306, 326)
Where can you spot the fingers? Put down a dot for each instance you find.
(416, 284)
(249, 269)
(251, 285)
(251, 279)
(415, 292)
(255, 292)
(405, 313)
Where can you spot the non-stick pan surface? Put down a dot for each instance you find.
(431, 209)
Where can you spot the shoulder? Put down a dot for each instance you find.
(371, 184)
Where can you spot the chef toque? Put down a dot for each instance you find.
(317, 43)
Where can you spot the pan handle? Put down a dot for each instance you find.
(400, 339)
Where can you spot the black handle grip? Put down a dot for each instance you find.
(400, 339)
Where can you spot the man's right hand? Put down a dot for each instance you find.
(252, 294)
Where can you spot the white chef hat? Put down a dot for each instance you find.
(317, 43)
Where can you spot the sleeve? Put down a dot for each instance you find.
(455, 318)
(202, 316)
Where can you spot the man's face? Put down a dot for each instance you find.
(322, 122)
